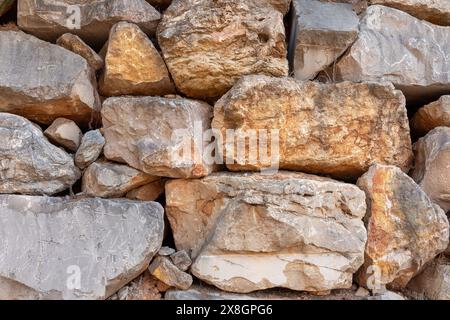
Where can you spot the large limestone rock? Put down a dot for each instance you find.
(159, 136)
(435, 11)
(405, 229)
(90, 20)
(249, 231)
(431, 169)
(54, 248)
(65, 133)
(133, 66)
(321, 32)
(42, 81)
(5, 5)
(333, 129)
(394, 46)
(29, 163)
(208, 45)
(434, 282)
(435, 114)
(75, 44)
(90, 148)
(106, 179)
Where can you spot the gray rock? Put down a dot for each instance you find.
(29, 163)
(42, 81)
(90, 149)
(65, 133)
(55, 248)
(434, 282)
(166, 251)
(181, 260)
(164, 270)
(75, 44)
(106, 179)
(321, 32)
(394, 46)
(90, 20)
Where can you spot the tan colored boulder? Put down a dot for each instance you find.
(405, 229)
(164, 270)
(133, 66)
(42, 81)
(434, 11)
(112, 180)
(330, 129)
(75, 44)
(90, 20)
(434, 282)
(394, 46)
(65, 133)
(148, 192)
(159, 136)
(431, 169)
(208, 45)
(435, 114)
(248, 231)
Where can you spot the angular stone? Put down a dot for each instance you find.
(74, 43)
(149, 133)
(434, 282)
(435, 114)
(333, 129)
(90, 20)
(321, 32)
(64, 132)
(148, 192)
(5, 5)
(181, 260)
(208, 45)
(133, 66)
(42, 81)
(29, 163)
(106, 179)
(405, 229)
(164, 270)
(249, 231)
(432, 163)
(90, 149)
(394, 46)
(434, 11)
(107, 243)
(166, 251)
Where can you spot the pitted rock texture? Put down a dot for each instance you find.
(133, 66)
(90, 149)
(332, 129)
(405, 229)
(431, 169)
(321, 32)
(46, 242)
(435, 114)
(42, 81)
(208, 45)
(248, 231)
(158, 136)
(394, 46)
(106, 179)
(90, 20)
(29, 163)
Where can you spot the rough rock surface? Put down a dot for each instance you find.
(321, 32)
(435, 11)
(149, 133)
(65, 133)
(5, 5)
(405, 229)
(90, 148)
(434, 282)
(42, 81)
(281, 5)
(431, 169)
(181, 260)
(29, 163)
(250, 231)
(75, 249)
(208, 45)
(74, 43)
(164, 270)
(133, 66)
(106, 179)
(148, 192)
(90, 20)
(435, 114)
(334, 129)
(394, 46)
